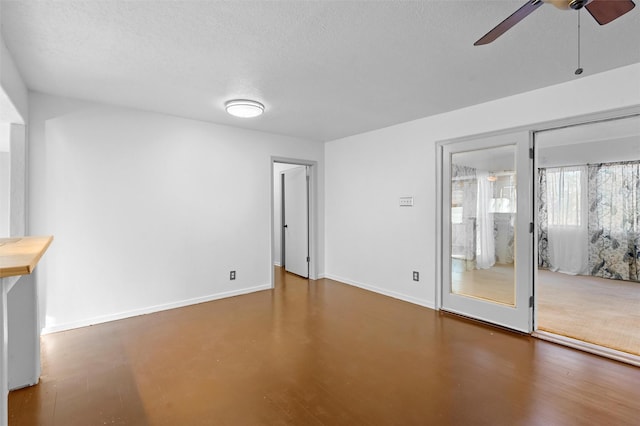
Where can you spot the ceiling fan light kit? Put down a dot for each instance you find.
(603, 11)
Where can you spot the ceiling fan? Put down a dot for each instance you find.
(603, 11)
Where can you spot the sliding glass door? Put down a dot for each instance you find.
(486, 236)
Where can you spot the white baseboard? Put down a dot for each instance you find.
(416, 301)
(278, 264)
(31, 382)
(150, 309)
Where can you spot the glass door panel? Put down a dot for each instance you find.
(486, 240)
(483, 211)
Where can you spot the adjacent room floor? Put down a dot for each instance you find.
(592, 309)
(314, 353)
(495, 284)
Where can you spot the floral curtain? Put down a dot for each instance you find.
(543, 233)
(614, 220)
(613, 224)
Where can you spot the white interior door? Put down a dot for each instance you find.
(486, 236)
(296, 221)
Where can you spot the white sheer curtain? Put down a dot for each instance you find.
(567, 219)
(485, 240)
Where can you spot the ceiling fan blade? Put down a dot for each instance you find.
(505, 25)
(605, 11)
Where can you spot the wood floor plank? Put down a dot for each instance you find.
(318, 353)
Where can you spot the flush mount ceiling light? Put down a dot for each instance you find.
(244, 108)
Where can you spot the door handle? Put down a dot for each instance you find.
(286, 226)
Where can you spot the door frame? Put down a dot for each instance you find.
(313, 213)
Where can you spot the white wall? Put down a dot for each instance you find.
(22, 308)
(14, 111)
(24, 342)
(602, 142)
(12, 180)
(148, 211)
(5, 179)
(372, 242)
(18, 184)
(13, 89)
(174, 204)
(24, 336)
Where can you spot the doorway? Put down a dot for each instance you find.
(588, 239)
(486, 240)
(587, 278)
(295, 220)
(293, 216)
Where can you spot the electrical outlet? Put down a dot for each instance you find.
(232, 275)
(416, 276)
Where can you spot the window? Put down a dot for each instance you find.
(564, 196)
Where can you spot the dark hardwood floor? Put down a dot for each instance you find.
(318, 353)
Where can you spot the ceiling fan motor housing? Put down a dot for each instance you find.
(577, 4)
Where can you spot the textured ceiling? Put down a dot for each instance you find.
(323, 69)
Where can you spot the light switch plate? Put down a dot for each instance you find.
(406, 201)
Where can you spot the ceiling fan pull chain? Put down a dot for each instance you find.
(579, 69)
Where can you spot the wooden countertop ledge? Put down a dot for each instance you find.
(20, 255)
